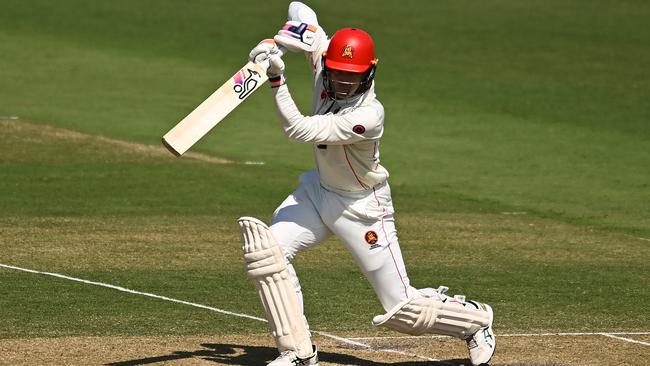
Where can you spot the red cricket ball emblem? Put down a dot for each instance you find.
(371, 237)
(359, 129)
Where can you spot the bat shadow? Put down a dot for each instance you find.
(237, 354)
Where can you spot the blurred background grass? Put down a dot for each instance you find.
(538, 106)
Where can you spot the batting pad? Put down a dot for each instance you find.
(417, 316)
(266, 267)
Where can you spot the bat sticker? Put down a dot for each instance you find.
(244, 85)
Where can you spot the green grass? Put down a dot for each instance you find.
(491, 107)
(530, 269)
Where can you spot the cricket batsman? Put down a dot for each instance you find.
(347, 195)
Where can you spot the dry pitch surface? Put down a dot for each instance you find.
(257, 348)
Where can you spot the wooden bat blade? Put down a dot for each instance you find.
(214, 109)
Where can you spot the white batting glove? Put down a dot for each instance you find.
(275, 72)
(276, 66)
(262, 51)
(300, 37)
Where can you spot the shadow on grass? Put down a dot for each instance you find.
(233, 354)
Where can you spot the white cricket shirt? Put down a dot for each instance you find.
(344, 134)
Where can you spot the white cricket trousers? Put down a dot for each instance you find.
(362, 221)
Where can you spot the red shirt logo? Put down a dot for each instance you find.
(371, 237)
(359, 129)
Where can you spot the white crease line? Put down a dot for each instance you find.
(123, 289)
(506, 335)
(345, 340)
(369, 347)
(610, 335)
(636, 237)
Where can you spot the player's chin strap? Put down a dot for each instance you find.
(267, 268)
(432, 311)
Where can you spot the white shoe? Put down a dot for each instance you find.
(483, 343)
(290, 358)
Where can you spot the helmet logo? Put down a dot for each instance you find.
(347, 52)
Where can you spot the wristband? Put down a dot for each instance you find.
(277, 81)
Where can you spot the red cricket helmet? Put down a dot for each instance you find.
(350, 50)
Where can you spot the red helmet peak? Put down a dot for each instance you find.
(350, 49)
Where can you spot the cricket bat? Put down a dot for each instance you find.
(216, 107)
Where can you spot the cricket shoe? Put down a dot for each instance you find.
(483, 343)
(290, 358)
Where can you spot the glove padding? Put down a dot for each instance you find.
(263, 50)
(300, 37)
(276, 66)
(268, 50)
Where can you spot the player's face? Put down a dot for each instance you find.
(345, 83)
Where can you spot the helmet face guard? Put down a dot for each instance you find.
(343, 89)
(349, 64)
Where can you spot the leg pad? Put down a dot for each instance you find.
(266, 267)
(439, 315)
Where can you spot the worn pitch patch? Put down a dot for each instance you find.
(38, 133)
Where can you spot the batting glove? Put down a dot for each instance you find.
(275, 72)
(263, 50)
(300, 37)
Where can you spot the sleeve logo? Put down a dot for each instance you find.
(359, 129)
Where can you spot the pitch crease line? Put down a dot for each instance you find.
(629, 340)
(369, 347)
(124, 289)
(217, 310)
(507, 335)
